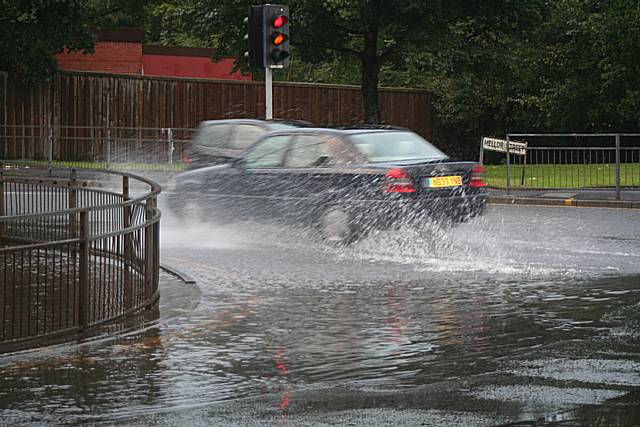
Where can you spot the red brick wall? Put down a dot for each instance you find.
(190, 66)
(109, 57)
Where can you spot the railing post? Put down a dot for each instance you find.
(617, 166)
(126, 223)
(73, 203)
(149, 251)
(508, 167)
(83, 283)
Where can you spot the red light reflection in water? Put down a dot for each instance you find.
(285, 397)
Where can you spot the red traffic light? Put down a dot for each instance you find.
(279, 21)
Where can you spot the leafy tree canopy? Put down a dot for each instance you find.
(33, 31)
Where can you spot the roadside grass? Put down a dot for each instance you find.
(564, 176)
(529, 176)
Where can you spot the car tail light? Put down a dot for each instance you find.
(477, 176)
(398, 181)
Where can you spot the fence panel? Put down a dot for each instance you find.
(74, 103)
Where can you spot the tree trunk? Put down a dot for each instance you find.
(370, 70)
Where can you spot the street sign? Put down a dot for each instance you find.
(500, 145)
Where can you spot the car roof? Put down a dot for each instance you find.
(259, 122)
(337, 131)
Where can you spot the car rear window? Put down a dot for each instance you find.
(214, 135)
(395, 146)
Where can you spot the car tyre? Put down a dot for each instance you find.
(337, 226)
(188, 210)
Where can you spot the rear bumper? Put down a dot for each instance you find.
(383, 214)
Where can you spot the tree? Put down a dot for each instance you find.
(371, 32)
(33, 31)
(590, 69)
(564, 66)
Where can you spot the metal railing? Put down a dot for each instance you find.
(95, 147)
(79, 252)
(607, 163)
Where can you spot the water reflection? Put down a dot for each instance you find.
(79, 383)
(286, 330)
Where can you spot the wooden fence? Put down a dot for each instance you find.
(93, 100)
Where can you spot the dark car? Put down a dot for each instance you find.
(345, 182)
(219, 141)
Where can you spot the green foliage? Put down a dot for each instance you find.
(493, 66)
(565, 66)
(592, 72)
(33, 31)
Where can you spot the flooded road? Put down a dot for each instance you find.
(527, 314)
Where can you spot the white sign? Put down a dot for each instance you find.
(495, 144)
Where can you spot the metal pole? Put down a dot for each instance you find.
(83, 283)
(618, 167)
(481, 160)
(128, 247)
(2, 207)
(170, 149)
(524, 166)
(149, 273)
(108, 149)
(5, 76)
(268, 98)
(73, 203)
(50, 150)
(508, 166)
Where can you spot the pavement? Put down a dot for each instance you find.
(629, 199)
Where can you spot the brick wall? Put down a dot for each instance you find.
(110, 57)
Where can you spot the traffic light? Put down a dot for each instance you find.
(256, 36)
(276, 35)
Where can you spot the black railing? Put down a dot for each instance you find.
(78, 251)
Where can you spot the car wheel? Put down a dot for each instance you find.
(337, 226)
(188, 210)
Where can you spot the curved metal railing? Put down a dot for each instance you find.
(79, 252)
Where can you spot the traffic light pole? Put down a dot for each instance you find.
(268, 95)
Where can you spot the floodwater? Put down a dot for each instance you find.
(527, 315)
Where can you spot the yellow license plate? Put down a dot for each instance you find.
(444, 181)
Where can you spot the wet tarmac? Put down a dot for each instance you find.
(526, 316)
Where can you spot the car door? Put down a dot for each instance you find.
(309, 170)
(264, 178)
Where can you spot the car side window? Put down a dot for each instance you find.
(244, 136)
(309, 151)
(214, 136)
(268, 153)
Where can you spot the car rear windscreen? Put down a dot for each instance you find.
(395, 146)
